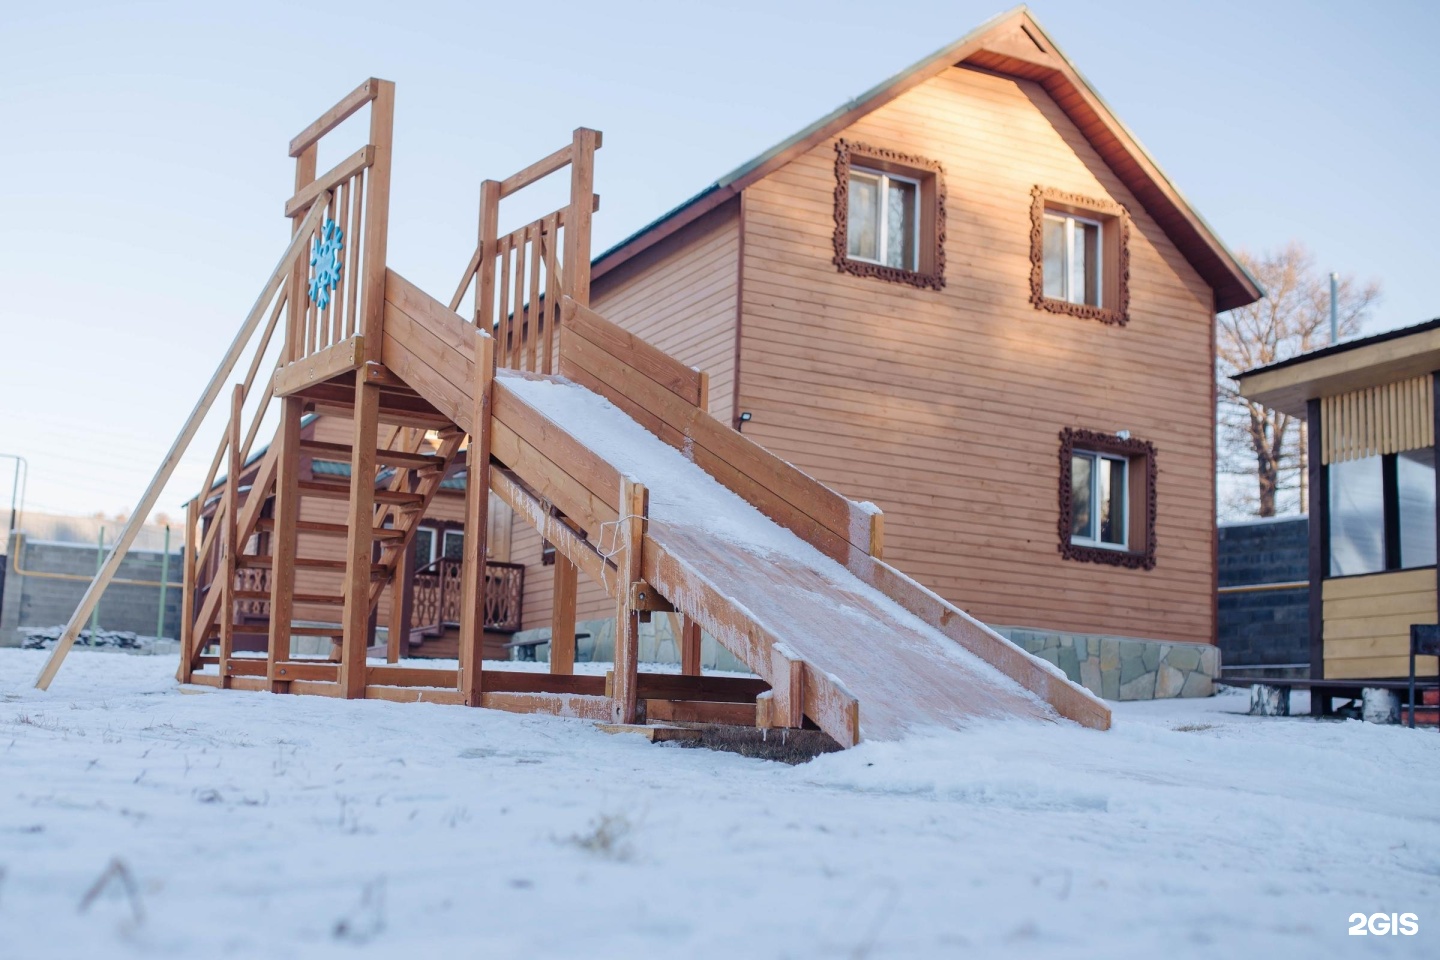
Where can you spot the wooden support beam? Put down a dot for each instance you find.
(562, 616)
(784, 704)
(284, 540)
(647, 599)
(402, 598)
(690, 635)
(189, 586)
(319, 367)
(576, 269)
(359, 546)
(629, 541)
(377, 219)
(232, 528)
(477, 515)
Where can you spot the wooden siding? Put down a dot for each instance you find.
(1367, 623)
(680, 297)
(944, 407)
(1389, 418)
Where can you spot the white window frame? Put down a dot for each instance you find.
(446, 534)
(884, 221)
(434, 542)
(1084, 541)
(1068, 255)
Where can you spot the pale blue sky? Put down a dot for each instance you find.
(143, 167)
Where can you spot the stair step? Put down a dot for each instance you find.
(309, 598)
(341, 491)
(265, 561)
(392, 458)
(332, 529)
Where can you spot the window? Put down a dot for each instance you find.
(1098, 485)
(1072, 258)
(1079, 256)
(452, 544)
(1382, 513)
(883, 226)
(1107, 499)
(424, 546)
(889, 216)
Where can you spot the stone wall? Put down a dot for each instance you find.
(37, 601)
(1125, 668)
(1266, 632)
(1116, 668)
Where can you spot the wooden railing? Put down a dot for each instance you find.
(517, 278)
(436, 598)
(340, 292)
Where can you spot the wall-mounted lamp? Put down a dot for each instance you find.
(743, 419)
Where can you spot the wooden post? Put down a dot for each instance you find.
(485, 279)
(402, 598)
(477, 516)
(298, 297)
(562, 617)
(358, 542)
(187, 596)
(1319, 509)
(284, 541)
(630, 538)
(377, 220)
(689, 647)
(575, 271)
(229, 559)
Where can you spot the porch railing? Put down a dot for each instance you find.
(436, 595)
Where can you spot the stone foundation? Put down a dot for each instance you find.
(1125, 668)
(1116, 668)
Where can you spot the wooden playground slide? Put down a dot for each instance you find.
(784, 572)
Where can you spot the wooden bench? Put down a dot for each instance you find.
(1270, 696)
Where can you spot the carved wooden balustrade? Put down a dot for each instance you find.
(436, 596)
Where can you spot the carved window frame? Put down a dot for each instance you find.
(930, 208)
(1115, 283)
(1141, 512)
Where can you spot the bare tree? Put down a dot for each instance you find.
(1293, 318)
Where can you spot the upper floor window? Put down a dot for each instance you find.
(1079, 256)
(884, 226)
(1107, 498)
(1073, 254)
(889, 216)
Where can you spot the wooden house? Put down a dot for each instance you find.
(970, 297)
(1370, 410)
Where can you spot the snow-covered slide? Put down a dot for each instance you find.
(784, 572)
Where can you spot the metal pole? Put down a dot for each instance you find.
(95, 614)
(15, 486)
(164, 579)
(1334, 309)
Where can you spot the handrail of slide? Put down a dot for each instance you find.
(269, 292)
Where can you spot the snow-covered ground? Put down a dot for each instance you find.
(248, 825)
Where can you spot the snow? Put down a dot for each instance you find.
(260, 826)
(918, 678)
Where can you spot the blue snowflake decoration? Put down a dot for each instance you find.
(325, 258)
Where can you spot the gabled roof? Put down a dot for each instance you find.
(1015, 45)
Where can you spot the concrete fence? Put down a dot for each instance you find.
(44, 581)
